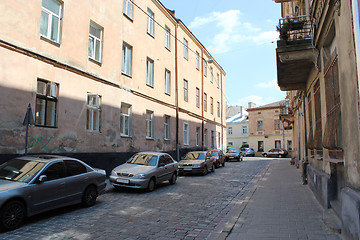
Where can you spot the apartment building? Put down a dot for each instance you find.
(105, 79)
(237, 127)
(318, 64)
(266, 131)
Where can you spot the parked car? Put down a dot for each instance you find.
(197, 162)
(248, 152)
(34, 184)
(233, 154)
(275, 152)
(145, 170)
(219, 157)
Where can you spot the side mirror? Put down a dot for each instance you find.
(42, 178)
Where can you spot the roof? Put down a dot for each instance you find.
(270, 105)
(238, 118)
(43, 158)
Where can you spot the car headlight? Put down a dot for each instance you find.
(139, 175)
(113, 173)
(196, 165)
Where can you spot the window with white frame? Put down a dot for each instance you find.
(277, 124)
(167, 127)
(149, 124)
(205, 102)
(218, 80)
(46, 103)
(198, 97)
(185, 90)
(277, 144)
(205, 68)
(150, 22)
(211, 105)
(50, 20)
(150, 72)
(95, 42)
(128, 8)
(186, 134)
(205, 137)
(198, 136)
(218, 109)
(93, 112)
(289, 143)
(244, 129)
(259, 125)
(230, 132)
(211, 75)
(125, 119)
(219, 140)
(197, 61)
(167, 82)
(167, 37)
(126, 59)
(186, 49)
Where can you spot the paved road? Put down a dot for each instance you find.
(196, 207)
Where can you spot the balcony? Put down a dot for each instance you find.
(295, 53)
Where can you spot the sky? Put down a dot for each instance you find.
(241, 36)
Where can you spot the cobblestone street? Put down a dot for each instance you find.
(195, 207)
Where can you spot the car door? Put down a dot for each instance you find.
(161, 169)
(76, 180)
(170, 167)
(209, 160)
(50, 193)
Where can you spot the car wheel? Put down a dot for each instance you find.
(89, 196)
(151, 185)
(205, 170)
(223, 164)
(280, 156)
(173, 178)
(213, 168)
(265, 155)
(12, 215)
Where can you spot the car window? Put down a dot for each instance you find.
(20, 170)
(215, 153)
(195, 156)
(168, 159)
(54, 171)
(143, 159)
(74, 168)
(162, 160)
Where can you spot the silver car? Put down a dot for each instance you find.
(197, 162)
(145, 170)
(34, 184)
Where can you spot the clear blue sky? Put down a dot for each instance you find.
(241, 36)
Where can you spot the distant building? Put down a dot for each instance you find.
(266, 131)
(233, 110)
(237, 129)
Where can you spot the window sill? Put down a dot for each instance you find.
(44, 126)
(94, 61)
(168, 49)
(149, 85)
(151, 35)
(169, 94)
(128, 17)
(90, 131)
(56, 44)
(125, 74)
(149, 138)
(334, 160)
(125, 136)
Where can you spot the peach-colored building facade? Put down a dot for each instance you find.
(106, 77)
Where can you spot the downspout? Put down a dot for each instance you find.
(221, 111)
(177, 93)
(306, 161)
(202, 97)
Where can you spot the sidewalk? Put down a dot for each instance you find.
(281, 208)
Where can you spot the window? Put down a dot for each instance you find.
(260, 146)
(244, 129)
(186, 49)
(125, 119)
(211, 105)
(128, 8)
(310, 136)
(95, 42)
(205, 137)
(149, 124)
(197, 136)
(167, 82)
(318, 126)
(93, 112)
(198, 97)
(212, 139)
(205, 102)
(197, 61)
(230, 143)
(218, 80)
(167, 128)
(218, 109)
(277, 124)
(167, 38)
(289, 143)
(205, 68)
(150, 22)
(50, 20)
(230, 130)
(74, 168)
(219, 139)
(150, 72)
(211, 75)
(185, 90)
(126, 59)
(277, 144)
(55, 171)
(186, 134)
(46, 103)
(259, 125)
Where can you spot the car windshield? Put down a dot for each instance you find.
(20, 170)
(195, 156)
(215, 153)
(143, 159)
(232, 151)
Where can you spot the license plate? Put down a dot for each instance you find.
(119, 180)
(187, 168)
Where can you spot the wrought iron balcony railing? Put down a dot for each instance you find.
(295, 28)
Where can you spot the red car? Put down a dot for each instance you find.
(219, 157)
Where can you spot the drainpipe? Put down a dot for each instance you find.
(305, 162)
(221, 111)
(177, 94)
(202, 102)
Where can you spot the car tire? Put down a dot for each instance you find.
(223, 164)
(151, 185)
(213, 168)
(89, 196)
(265, 155)
(173, 178)
(280, 156)
(12, 215)
(205, 170)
